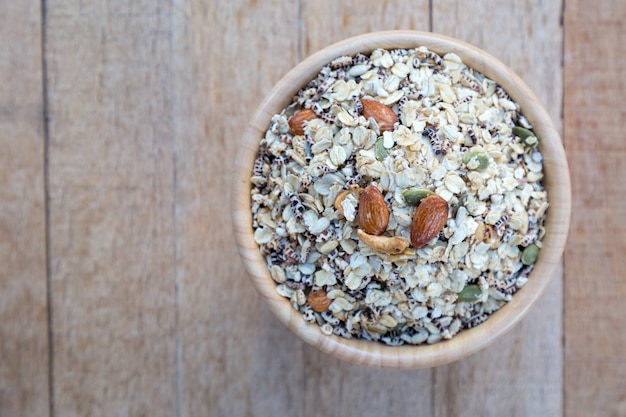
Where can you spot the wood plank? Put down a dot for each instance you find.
(326, 22)
(334, 387)
(24, 389)
(594, 110)
(235, 358)
(111, 208)
(521, 374)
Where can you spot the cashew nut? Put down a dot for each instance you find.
(340, 197)
(354, 189)
(391, 245)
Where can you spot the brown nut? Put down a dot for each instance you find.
(318, 300)
(384, 115)
(391, 245)
(430, 217)
(373, 214)
(296, 122)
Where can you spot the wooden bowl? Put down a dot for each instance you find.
(467, 342)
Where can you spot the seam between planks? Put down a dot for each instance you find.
(299, 36)
(46, 182)
(430, 15)
(562, 24)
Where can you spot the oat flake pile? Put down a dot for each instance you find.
(398, 198)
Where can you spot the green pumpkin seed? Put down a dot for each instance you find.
(482, 158)
(381, 152)
(399, 327)
(527, 136)
(470, 293)
(530, 254)
(415, 196)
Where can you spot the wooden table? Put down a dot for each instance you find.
(121, 290)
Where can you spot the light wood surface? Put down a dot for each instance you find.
(595, 265)
(149, 308)
(24, 361)
(528, 362)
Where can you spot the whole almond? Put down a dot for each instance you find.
(384, 115)
(296, 122)
(373, 214)
(318, 300)
(430, 217)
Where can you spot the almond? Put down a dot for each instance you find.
(373, 214)
(384, 115)
(296, 122)
(318, 300)
(430, 217)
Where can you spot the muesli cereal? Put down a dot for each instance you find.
(398, 198)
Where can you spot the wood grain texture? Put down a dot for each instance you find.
(521, 374)
(336, 387)
(111, 208)
(152, 311)
(595, 288)
(233, 361)
(24, 389)
(326, 22)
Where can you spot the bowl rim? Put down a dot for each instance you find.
(469, 341)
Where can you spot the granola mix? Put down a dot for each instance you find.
(395, 128)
